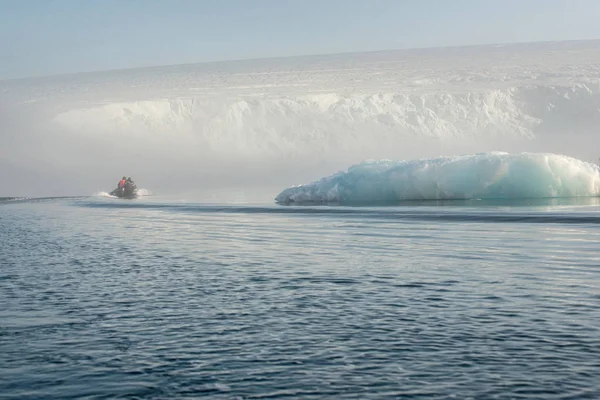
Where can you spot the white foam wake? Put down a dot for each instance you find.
(104, 194)
(140, 193)
(144, 192)
(494, 175)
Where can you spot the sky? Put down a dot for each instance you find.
(48, 37)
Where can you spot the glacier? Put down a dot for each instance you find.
(265, 123)
(493, 175)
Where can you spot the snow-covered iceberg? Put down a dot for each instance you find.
(495, 175)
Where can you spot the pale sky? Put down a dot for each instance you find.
(46, 37)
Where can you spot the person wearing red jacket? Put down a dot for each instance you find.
(121, 184)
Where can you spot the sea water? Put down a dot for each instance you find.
(156, 298)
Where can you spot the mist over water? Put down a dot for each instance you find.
(246, 130)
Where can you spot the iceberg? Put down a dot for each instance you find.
(493, 175)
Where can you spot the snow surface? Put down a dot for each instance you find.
(494, 175)
(287, 120)
(361, 103)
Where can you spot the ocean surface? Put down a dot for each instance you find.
(160, 299)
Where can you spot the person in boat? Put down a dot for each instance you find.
(122, 182)
(129, 186)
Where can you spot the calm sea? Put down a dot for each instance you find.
(157, 299)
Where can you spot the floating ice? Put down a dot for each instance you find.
(495, 175)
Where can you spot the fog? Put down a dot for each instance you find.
(245, 130)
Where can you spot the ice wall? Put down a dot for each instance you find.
(305, 124)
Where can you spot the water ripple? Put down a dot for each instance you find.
(176, 302)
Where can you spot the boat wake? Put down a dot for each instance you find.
(140, 193)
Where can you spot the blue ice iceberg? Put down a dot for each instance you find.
(495, 175)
